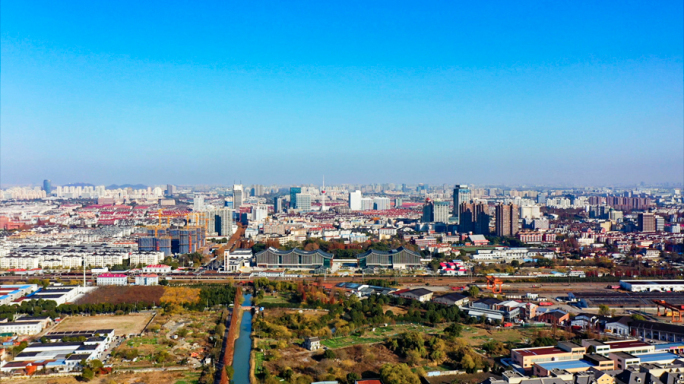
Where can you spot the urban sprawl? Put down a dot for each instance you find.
(371, 284)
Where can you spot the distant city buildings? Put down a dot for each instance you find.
(47, 187)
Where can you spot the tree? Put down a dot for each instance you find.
(454, 330)
(87, 374)
(352, 377)
(604, 310)
(467, 363)
(473, 291)
(398, 374)
(329, 354)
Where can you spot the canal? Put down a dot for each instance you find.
(243, 345)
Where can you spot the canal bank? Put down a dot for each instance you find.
(243, 346)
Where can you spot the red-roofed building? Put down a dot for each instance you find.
(112, 279)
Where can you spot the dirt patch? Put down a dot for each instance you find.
(124, 295)
(395, 310)
(122, 325)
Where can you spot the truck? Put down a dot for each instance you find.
(545, 303)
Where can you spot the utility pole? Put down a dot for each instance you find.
(84, 274)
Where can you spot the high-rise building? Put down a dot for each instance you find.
(198, 203)
(170, 190)
(428, 211)
(475, 218)
(381, 203)
(238, 196)
(293, 197)
(278, 204)
(461, 195)
(398, 202)
(506, 220)
(366, 203)
(441, 212)
(355, 200)
(224, 221)
(303, 202)
(659, 224)
(646, 222)
(541, 198)
(47, 186)
(435, 211)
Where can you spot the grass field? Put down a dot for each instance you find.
(122, 325)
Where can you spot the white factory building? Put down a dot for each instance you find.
(652, 285)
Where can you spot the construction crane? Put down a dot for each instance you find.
(675, 310)
(494, 284)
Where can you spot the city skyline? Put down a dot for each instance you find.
(560, 93)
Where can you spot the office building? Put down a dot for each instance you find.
(646, 222)
(475, 218)
(461, 195)
(47, 186)
(381, 203)
(112, 279)
(303, 202)
(238, 196)
(428, 211)
(355, 200)
(170, 190)
(293, 197)
(541, 198)
(398, 202)
(506, 220)
(659, 224)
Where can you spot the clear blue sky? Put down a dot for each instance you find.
(285, 92)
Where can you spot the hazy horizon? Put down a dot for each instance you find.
(573, 93)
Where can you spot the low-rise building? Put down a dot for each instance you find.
(147, 279)
(112, 279)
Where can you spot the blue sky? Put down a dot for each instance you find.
(538, 92)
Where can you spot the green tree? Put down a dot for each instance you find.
(604, 310)
(352, 377)
(329, 354)
(87, 374)
(398, 374)
(473, 291)
(454, 330)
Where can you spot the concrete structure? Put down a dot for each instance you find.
(238, 196)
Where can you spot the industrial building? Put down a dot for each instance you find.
(652, 285)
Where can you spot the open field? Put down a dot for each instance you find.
(127, 294)
(122, 325)
(170, 338)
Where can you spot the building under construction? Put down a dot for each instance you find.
(173, 241)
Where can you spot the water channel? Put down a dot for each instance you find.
(243, 345)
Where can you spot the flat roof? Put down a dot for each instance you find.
(572, 364)
(626, 344)
(654, 357)
(540, 351)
